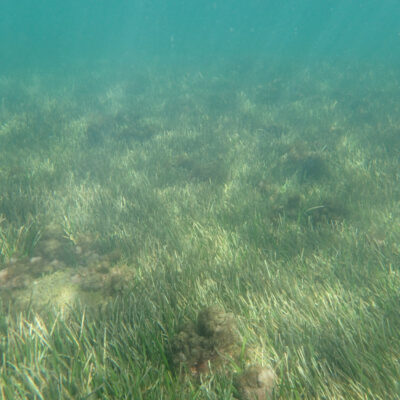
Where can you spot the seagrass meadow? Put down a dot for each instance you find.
(131, 201)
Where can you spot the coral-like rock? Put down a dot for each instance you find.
(212, 339)
(256, 383)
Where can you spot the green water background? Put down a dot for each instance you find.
(59, 35)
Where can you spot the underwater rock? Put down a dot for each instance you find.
(78, 250)
(17, 282)
(201, 170)
(117, 281)
(213, 339)
(76, 278)
(103, 267)
(114, 256)
(128, 126)
(109, 281)
(213, 322)
(35, 260)
(9, 276)
(309, 166)
(92, 282)
(88, 270)
(4, 275)
(191, 350)
(53, 244)
(256, 383)
(56, 264)
(312, 168)
(41, 269)
(91, 257)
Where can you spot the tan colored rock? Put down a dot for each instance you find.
(256, 383)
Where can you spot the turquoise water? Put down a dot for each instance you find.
(56, 34)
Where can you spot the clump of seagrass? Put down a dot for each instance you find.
(212, 340)
(256, 383)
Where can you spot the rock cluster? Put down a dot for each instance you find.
(212, 339)
(53, 252)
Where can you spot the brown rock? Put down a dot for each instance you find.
(213, 339)
(256, 383)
